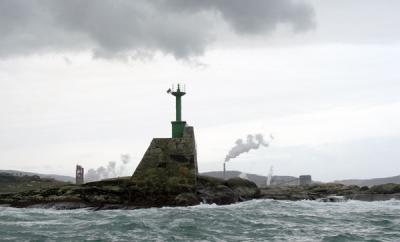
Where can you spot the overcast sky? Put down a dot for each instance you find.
(84, 82)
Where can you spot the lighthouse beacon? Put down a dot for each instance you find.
(178, 126)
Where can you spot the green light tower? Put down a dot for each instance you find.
(178, 125)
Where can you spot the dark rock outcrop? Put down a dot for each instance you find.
(124, 193)
(389, 188)
(218, 191)
(257, 179)
(324, 192)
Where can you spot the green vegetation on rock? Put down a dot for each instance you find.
(10, 183)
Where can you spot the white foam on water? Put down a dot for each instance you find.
(255, 220)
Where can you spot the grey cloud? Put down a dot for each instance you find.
(254, 16)
(112, 28)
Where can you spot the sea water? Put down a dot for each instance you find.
(256, 220)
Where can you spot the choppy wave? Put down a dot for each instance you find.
(257, 220)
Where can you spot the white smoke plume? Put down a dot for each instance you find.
(110, 171)
(125, 158)
(253, 142)
(244, 176)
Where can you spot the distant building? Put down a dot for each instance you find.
(305, 180)
(79, 174)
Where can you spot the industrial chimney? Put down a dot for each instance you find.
(224, 171)
(79, 175)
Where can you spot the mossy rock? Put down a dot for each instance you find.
(245, 189)
(389, 188)
(186, 199)
(209, 181)
(239, 182)
(120, 181)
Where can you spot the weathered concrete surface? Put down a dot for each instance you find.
(169, 165)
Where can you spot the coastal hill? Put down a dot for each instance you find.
(13, 183)
(53, 176)
(259, 180)
(370, 182)
(293, 181)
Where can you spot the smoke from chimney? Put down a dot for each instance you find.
(112, 170)
(252, 143)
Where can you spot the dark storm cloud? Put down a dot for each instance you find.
(110, 28)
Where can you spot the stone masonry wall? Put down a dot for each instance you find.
(169, 165)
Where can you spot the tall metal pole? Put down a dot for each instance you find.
(224, 172)
(178, 106)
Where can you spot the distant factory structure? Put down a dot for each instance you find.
(305, 180)
(79, 175)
